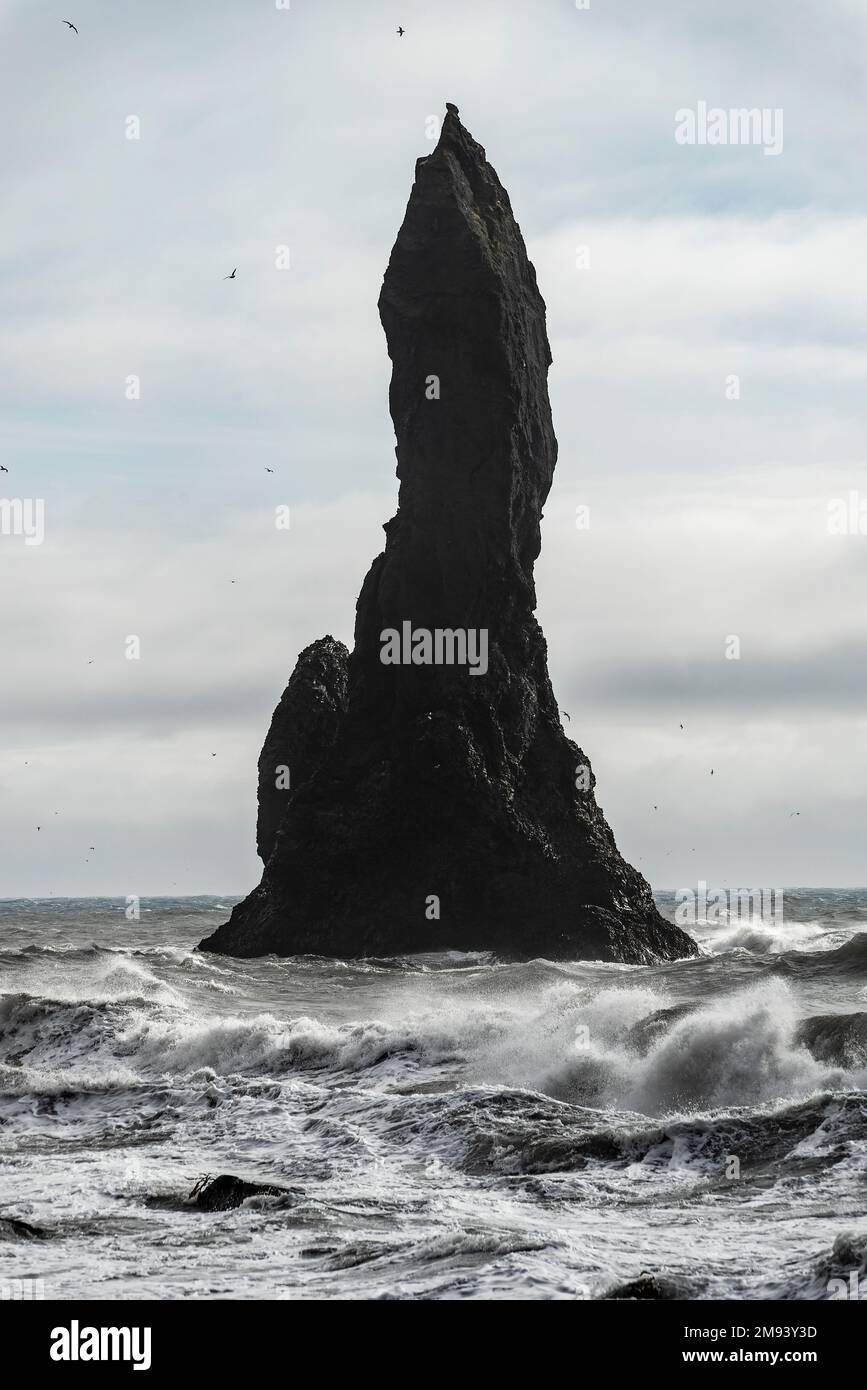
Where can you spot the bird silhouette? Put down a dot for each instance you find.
(793, 813)
(69, 24)
(568, 715)
(711, 772)
(233, 274)
(400, 31)
(3, 468)
(268, 470)
(681, 726)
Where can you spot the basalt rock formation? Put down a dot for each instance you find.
(303, 728)
(437, 802)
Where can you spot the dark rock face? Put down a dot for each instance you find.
(450, 810)
(11, 1228)
(226, 1192)
(303, 728)
(656, 1287)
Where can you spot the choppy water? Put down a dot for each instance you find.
(445, 1126)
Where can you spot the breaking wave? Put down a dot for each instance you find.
(624, 1047)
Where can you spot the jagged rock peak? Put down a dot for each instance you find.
(303, 728)
(441, 804)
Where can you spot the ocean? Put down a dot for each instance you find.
(444, 1126)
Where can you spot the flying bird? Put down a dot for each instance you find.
(681, 726)
(400, 31)
(213, 755)
(69, 24)
(268, 470)
(568, 715)
(711, 772)
(793, 813)
(233, 274)
(3, 468)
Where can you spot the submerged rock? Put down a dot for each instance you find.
(656, 1287)
(442, 805)
(226, 1192)
(13, 1228)
(647, 1032)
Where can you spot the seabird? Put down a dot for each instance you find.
(568, 715)
(3, 468)
(233, 274)
(268, 470)
(69, 24)
(400, 31)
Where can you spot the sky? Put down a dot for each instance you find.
(707, 308)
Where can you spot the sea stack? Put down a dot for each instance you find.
(434, 801)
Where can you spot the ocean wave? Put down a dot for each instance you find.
(490, 1131)
(838, 1273)
(761, 937)
(848, 961)
(626, 1048)
(837, 1038)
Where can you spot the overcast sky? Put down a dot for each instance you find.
(262, 128)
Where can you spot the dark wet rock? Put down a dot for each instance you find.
(650, 1286)
(12, 1228)
(226, 1192)
(450, 810)
(647, 1031)
(840, 1039)
(303, 728)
